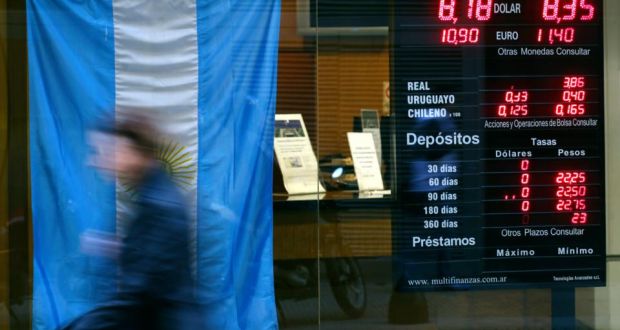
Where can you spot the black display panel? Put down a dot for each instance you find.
(498, 114)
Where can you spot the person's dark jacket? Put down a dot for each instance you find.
(155, 259)
(155, 288)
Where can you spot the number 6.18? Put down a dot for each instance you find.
(480, 10)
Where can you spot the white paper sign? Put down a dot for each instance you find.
(367, 170)
(295, 155)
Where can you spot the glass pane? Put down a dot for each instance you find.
(4, 214)
(356, 215)
(296, 188)
(357, 237)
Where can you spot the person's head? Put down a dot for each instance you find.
(125, 147)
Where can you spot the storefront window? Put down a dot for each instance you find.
(377, 224)
(358, 228)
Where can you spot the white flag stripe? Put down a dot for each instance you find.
(156, 69)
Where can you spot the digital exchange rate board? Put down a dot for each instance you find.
(499, 136)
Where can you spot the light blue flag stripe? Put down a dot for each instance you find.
(238, 43)
(71, 74)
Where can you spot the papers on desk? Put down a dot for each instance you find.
(300, 170)
(365, 162)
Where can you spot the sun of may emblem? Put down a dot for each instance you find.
(177, 161)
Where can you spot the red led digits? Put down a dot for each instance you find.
(477, 10)
(571, 191)
(570, 205)
(556, 35)
(563, 11)
(513, 96)
(573, 97)
(515, 104)
(570, 10)
(446, 10)
(571, 82)
(470, 9)
(525, 165)
(525, 191)
(525, 188)
(480, 9)
(570, 177)
(579, 218)
(567, 10)
(525, 178)
(551, 10)
(583, 4)
(460, 36)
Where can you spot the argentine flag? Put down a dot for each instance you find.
(205, 70)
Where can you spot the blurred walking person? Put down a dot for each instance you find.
(155, 286)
